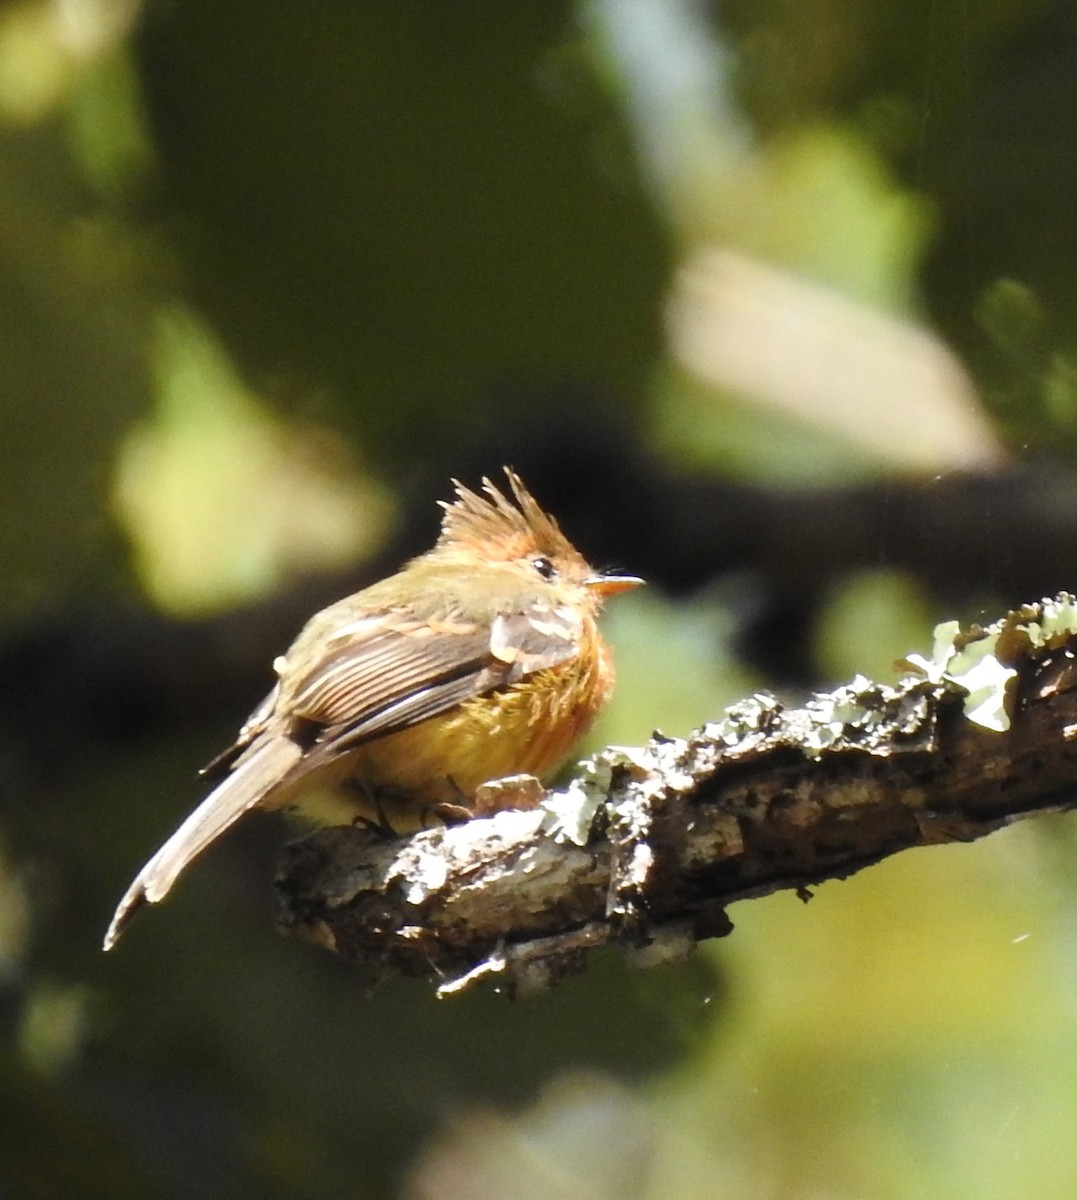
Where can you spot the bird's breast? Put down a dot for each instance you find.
(528, 728)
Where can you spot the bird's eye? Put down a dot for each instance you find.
(544, 567)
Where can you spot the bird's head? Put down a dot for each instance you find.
(511, 532)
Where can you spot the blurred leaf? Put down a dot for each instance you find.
(676, 667)
(1012, 315)
(584, 1139)
(868, 622)
(225, 502)
(839, 387)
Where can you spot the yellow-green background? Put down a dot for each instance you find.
(270, 269)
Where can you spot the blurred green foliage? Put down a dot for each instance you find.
(262, 266)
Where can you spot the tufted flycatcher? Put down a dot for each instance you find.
(477, 660)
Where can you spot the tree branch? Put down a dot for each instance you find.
(766, 799)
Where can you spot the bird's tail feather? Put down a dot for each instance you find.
(237, 794)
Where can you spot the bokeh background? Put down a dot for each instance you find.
(771, 301)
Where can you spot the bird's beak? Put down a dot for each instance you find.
(610, 585)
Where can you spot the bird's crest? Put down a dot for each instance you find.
(509, 527)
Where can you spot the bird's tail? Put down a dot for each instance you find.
(242, 790)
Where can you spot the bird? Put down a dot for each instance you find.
(478, 660)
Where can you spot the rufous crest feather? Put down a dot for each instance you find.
(513, 527)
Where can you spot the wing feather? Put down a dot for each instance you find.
(363, 676)
(393, 674)
(388, 671)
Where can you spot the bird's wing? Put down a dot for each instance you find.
(371, 677)
(385, 673)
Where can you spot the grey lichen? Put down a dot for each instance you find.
(981, 662)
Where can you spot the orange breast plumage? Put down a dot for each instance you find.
(527, 728)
